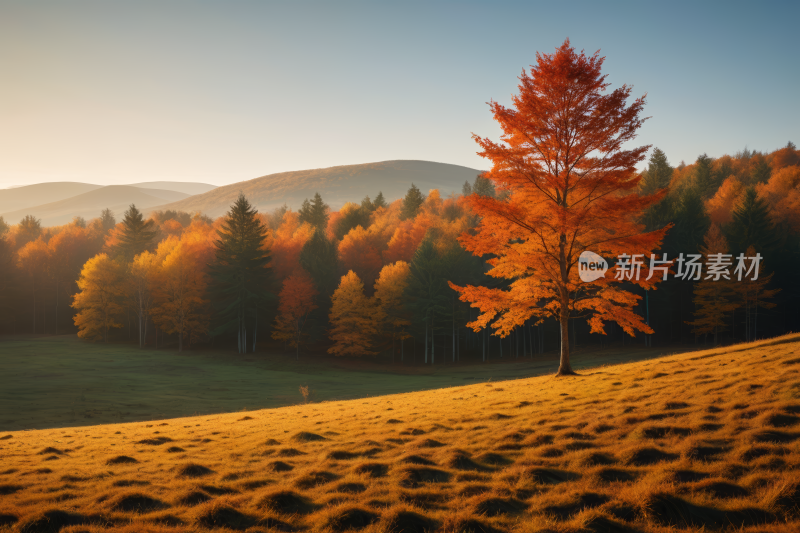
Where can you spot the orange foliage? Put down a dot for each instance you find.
(406, 239)
(286, 244)
(785, 157)
(782, 194)
(296, 303)
(712, 299)
(359, 251)
(720, 206)
(573, 188)
(351, 316)
(99, 299)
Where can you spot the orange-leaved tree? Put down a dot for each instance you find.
(713, 297)
(35, 259)
(297, 300)
(351, 317)
(100, 297)
(392, 315)
(569, 186)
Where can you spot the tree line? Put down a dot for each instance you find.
(490, 272)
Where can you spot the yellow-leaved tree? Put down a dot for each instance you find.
(392, 317)
(351, 316)
(179, 286)
(100, 297)
(140, 297)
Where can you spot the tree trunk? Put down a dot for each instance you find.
(565, 368)
(56, 328)
(180, 340)
(426, 343)
(255, 333)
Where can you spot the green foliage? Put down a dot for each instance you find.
(320, 258)
(483, 187)
(411, 203)
(428, 293)
(3, 226)
(137, 235)
(658, 173)
(183, 218)
(704, 177)
(379, 201)
(466, 189)
(691, 222)
(752, 226)
(240, 273)
(353, 218)
(108, 220)
(314, 212)
(29, 230)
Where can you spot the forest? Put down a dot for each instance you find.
(372, 278)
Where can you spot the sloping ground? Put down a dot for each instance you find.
(186, 187)
(90, 204)
(337, 185)
(693, 442)
(41, 193)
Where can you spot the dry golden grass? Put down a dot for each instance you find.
(703, 440)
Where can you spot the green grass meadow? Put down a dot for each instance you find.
(62, 381)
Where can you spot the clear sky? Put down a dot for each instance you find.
(219, 92)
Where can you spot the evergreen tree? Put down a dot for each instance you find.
(379, 201)
(411, 203)
(107, 220)
(136, 234)
(761, 171)
(427, 292)
(240, 273)
(320, 258)
(658, 173)
(3, 227)
(466, 189)
(314, 212)
(752, 226)
(704, 177)
(692, 222)
(367, 205)
(29, 230)
(483, 187)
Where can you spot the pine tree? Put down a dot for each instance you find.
(752, 225)
(692, 222)
(320, 258)
(427, 292)
(713, 299)
(754, 294)
(658, 173)
(704, 177)
(4, 227)
(466, 189)
(136, 235)
(380, 201)
(351, 317)
(107, 220)
(240, 273)
(483, 187)
(28, 230)
(314, 212)
(411, 203)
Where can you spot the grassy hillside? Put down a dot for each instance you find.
(337, 185)
(90, 204)
(58, 381)
(42, 193)
(186, 187)
(697, 441)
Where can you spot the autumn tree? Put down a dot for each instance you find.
(572, 188)
(34, 259)
(99, 299)
(28, 229)
(297, 300)
(389, 293)
(379, 202)
(136, 234)
(713, 298)
(70, 249)
(179, 287)
(351, 318)
(141, 277)
(240, 272)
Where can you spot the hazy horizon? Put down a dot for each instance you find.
(115, 93)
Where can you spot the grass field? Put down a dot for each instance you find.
(693, 442)
(61, 381)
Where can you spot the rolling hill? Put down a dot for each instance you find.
(20, 198)
(337, 185)
(186, 187)
(700, 441)
(89, 204)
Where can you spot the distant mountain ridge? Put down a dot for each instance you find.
(337, 185)
(56, 203)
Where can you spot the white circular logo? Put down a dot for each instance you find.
(591, 266)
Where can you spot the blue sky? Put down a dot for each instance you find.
(219, 92)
